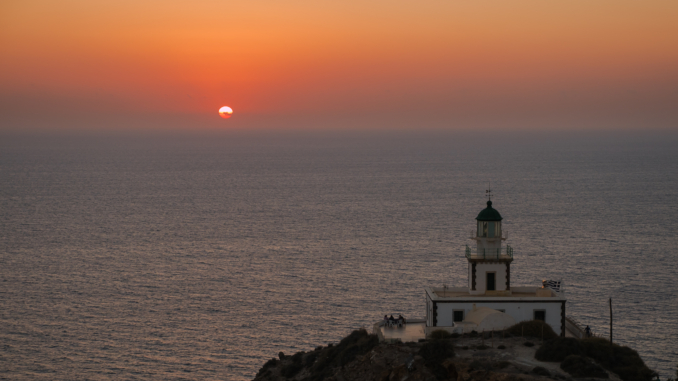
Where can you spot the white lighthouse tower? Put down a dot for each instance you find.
(489, 264)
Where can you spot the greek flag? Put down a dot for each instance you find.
(552, 284)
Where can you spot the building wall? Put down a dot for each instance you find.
(519, 310)
(481, 278)
(488, 243)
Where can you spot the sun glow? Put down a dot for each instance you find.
(225, 112)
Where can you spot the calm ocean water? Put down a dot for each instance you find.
(202, 257)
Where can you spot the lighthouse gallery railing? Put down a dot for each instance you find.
(498, 253)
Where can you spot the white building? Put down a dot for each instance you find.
(460, 309)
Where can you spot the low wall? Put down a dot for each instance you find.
(574, 329)
(376, 329)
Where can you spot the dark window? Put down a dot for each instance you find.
(490, 282)
(540, 315)
(458, 315)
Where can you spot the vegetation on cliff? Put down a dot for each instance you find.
(502, 356)
(581, 366)
(319, 364)
(434, 353)
(357, 343)
(558, 349)
(576, 356)
(619, 359)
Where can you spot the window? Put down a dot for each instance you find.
(458, 315)
(540, 315)
(482, 228)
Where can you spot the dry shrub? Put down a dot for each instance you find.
(559, 348)
(580, 366)
(440, 334)
(272, 363)
(622, 360)
(294, 366)
(357, 343)
(434, 353)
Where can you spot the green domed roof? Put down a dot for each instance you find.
(489, 214)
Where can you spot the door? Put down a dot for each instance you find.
(490, 282)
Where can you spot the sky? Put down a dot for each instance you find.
(296, 64)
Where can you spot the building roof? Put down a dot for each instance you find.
(488, 319)
(489, 214)
(518, 293)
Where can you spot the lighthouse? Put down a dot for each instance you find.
(489, 262)
(489, 301)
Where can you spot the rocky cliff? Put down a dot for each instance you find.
(360, 357)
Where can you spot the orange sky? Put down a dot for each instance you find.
(432, 64)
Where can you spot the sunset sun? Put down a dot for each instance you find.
(225, 112)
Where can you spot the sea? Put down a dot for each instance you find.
(200, 256)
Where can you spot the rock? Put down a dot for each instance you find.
(451, 370)
(541, 371)
(399, 373)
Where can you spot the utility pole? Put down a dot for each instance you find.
(610, 321)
